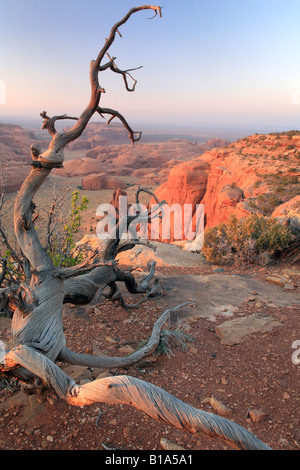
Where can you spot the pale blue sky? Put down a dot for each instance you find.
(208, 63)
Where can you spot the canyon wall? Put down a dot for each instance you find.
(256, 174)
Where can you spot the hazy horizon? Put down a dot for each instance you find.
(206, 65)
(165, 130)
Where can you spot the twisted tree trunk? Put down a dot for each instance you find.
(37, 337)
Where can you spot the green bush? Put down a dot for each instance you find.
(62, 245)
(253, 239)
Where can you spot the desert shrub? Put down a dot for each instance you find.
(13, 272)
(60, 245)
(267, 203)
(170, 340)
(252, 239)
(61, 248)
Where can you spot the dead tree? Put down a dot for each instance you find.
(37, 337)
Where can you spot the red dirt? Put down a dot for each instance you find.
(257, 374)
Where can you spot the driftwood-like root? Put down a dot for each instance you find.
(146, 397)
(116, 362)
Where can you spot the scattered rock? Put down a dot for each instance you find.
(257, 416)
(292, 271)
(205, 400)
(168, 445)
(111, 340)
(126, 350)
(283, 442)
(275, 280)
(101, 181)
(103, 375)
(232, 331)
(52, 400)
(219, 407)
(289, 286)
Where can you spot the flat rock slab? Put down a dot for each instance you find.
(232, 331)
(222, 294)
(164, 254)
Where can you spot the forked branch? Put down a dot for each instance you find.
(54, 154)
(134, 136)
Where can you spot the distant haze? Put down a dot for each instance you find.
(153, 132)
(206, 64)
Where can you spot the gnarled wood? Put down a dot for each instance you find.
(37, 336)
(150, 399)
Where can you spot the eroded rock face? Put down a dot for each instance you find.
(15, 175)
(289, 212)
(15, 145)
(186, 183)
(17, 139)
(80, 167)
(102, 181)
(255, 174)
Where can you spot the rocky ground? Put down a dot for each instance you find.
(229, 352)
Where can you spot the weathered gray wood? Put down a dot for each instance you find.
(146, 397)
(116, 362)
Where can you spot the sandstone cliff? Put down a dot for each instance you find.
(255, 174)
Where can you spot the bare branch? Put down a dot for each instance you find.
(59, 140)
(113, 67)
(82, 268)
(110, 362)
(48, 122)
(115, 28)
(55, 209)
(133, 135)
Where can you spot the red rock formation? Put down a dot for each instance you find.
(186, 185)
(15, 174)
(15, 145)
(79, 145)
(225, 179)
(102, 181)
(80, 167)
